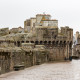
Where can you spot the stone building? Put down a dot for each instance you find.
(76, 45)
(10, 54)
(29, 24)
(46, 31)
(41, 41)
(15, 51)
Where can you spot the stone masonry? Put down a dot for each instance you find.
(38, 42)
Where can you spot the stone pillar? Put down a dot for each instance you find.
(68, 51)
(70, 48)
(34, 58)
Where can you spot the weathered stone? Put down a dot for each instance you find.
(43, 42)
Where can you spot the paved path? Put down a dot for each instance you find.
(47, 71)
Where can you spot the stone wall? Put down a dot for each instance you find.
(4, 62)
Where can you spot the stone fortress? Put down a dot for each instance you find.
(39, 41)
(76, 45)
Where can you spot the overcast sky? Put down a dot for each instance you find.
(14, 12)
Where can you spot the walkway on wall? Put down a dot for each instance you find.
(47, 71)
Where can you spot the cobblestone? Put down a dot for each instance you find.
(47, 71)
